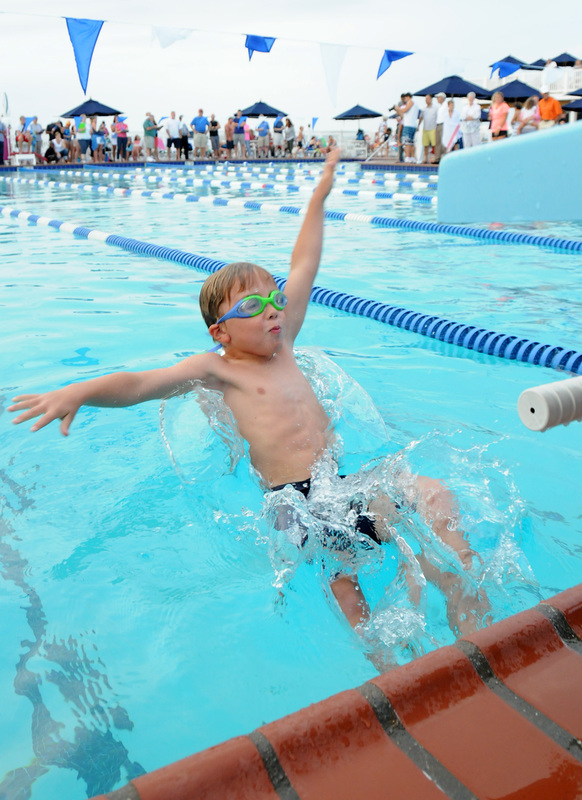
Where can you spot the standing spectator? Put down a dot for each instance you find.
(263, 142)
(23, 136)
(408, 112)
(214, 127)
(229, 136)
(37, 131)
(289, 136)
(84, 136)
(239, 134)
(184, 132)
(136, 151)
(300, 142)
(173, 138)
(3, 135)
(278, 136)
(150, 131)
(550, 110)
(451, 128)
(529, 118)
(248, 134)
(120, 128)
(441, 114)
(428, 117)
(498, 113)
(471, 121)
(200, 126)
(113, 140)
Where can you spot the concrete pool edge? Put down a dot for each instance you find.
(499, 713)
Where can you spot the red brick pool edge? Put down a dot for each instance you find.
(497, 715)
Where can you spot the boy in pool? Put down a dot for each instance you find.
(274, 405)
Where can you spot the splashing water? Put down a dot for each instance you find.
(408, 615)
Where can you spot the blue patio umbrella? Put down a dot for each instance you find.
(91, 108)
(516, 90)
(577, 93)
(454, 86)
(359, 112)
(565, 60)
(262, 108)
(539, 64)
(508, 60)
(575, 105)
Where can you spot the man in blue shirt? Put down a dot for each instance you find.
(278, 136)
(263, 141)
(199, 126)
(239, 134)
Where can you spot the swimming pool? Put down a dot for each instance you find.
(142, 609)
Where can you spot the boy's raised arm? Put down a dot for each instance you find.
(115, 390)
(307, 251)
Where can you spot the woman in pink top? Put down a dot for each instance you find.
(498, 115)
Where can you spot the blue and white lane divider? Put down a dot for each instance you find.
(396, 197)
(159, 174)
(483, 234)
(481, 340)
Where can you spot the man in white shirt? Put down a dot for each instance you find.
(428, 117)
(439, 148)
(408, 112)
(471, 121)
(174, 138)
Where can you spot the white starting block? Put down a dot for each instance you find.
(23, 160)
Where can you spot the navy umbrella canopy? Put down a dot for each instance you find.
(92, 108)
(359, 112)
(565, 60)
(516, 90)
(453, 86)
(509, 60)
(539, 64)
(577, 93)
(262, 108)
(575, 105)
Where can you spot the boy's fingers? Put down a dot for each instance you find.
(26, 415)
(66, 423)
(43, 421)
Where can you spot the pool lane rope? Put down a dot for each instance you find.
(483, 234)
(276, 186)
(481, 340)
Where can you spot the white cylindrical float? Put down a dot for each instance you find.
(551, 404)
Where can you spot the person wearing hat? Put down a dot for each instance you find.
(549, 108)
(439, 148)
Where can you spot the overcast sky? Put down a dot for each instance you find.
(210, 69)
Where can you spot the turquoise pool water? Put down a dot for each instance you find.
(149, 613)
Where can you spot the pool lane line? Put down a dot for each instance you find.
(547, 726)
(227, 184)
(551, 242)
(561, 625)
(435, 771)
(279, 182)
(481, 340)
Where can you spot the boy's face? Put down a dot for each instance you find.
(262, 335)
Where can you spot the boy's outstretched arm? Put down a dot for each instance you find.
(307, 251)
(116, 390)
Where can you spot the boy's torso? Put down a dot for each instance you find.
(278, 414)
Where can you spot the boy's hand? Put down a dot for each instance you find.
(61, 404)
(326, 182)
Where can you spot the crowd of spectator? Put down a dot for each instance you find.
(425, 133)
(445, 127)
(171, 138)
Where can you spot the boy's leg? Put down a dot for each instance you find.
(348, 593)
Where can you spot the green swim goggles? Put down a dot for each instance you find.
(255, 304)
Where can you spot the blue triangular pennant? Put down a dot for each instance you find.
(83, 34)
(505, 68)
(390, 56)
(262, 44)
(313, 121)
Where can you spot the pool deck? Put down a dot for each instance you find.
(496, 715)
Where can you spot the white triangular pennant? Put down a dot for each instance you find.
(167, 36)
(333, 56)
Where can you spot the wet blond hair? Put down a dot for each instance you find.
(220, 284)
